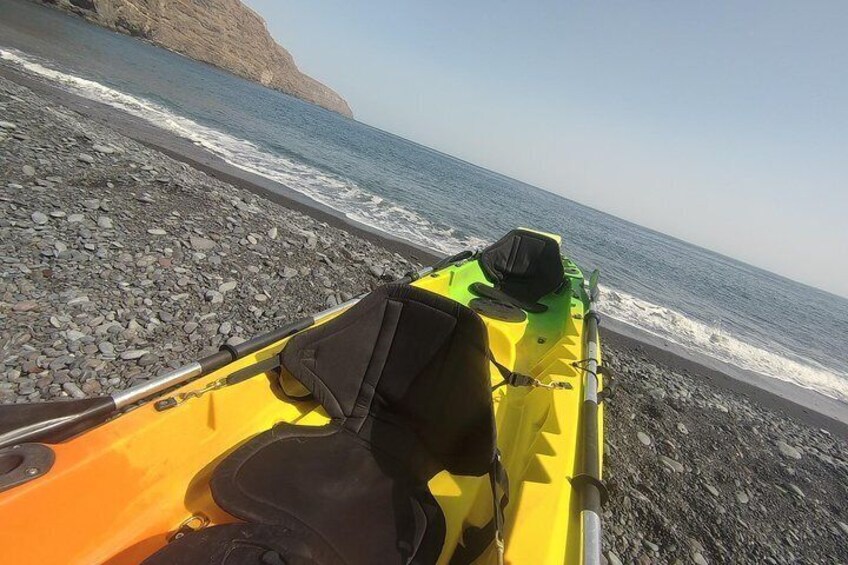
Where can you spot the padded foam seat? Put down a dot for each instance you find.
(523, 266)
(328, 479)
(404, 377)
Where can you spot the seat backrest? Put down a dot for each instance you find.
(523, 264)
(408, 361)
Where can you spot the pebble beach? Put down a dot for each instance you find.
(118, 262)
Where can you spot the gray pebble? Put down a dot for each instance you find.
(73, 390)
(39, 218)
(131, 354)
(788, 451)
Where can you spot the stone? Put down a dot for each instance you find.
(711, 489)
(105, 222)
(644, 438)
(86, 158)
(74, 335)
(227, 287)
(8, 126)
(788, 451)
(132, 354)
(843, 526)
(797, 491)
(613, 559)
(742, 497)
(190, 327)
(28, 170)
(289, 273)
(214, 297)
(75, 218)
(201, 244)
(39, 218)
(682, 429)
(272, 233)
(92, 386)
(698, 558)
(147, 359)
(25, 306)
(675, 466)
(157, 231)
(105, 149)
(73, 390)
(225, 328)
(650, 545)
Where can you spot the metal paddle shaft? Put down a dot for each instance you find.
(589, 481)
(55, 421)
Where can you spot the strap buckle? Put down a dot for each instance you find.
(518, 379)
(178, 399)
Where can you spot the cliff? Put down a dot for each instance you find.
(223, 33)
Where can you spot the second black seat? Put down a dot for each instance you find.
(523, 266)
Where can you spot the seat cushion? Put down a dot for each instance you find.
(328, 480)
(246, 544)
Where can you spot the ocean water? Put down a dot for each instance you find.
(702, 301)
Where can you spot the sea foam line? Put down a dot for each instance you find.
(693, 335)
(357, 204)
(337, 193)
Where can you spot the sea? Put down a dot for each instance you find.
(703, 302)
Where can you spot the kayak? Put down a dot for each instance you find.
(150, 473)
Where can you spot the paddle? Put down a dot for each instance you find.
(55, 421)
(588, 482)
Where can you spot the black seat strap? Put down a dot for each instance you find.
(512, 378)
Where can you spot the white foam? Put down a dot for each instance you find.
(358, 204)
(335, 192)
(715, 342)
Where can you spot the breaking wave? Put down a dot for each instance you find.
(714, 342)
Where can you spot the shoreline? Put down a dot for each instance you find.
(183, 150)
(800, 403)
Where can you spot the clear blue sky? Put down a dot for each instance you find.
(722, 123)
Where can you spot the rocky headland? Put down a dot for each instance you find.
(223, 33)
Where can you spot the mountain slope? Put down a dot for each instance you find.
(223, 33)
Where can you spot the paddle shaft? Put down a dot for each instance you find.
(590, 514)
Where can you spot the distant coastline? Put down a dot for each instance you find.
(223, 33)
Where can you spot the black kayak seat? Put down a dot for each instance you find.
(523, 266)
(404, 377)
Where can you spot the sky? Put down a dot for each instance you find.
(721, 123)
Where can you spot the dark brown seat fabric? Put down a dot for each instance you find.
(523, 266)
(404, 376)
